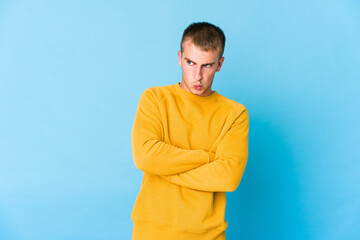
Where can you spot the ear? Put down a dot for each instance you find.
(220, 64)
(179, 58)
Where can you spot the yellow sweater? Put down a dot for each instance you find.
(192, 150)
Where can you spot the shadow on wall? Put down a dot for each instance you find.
(267, 203)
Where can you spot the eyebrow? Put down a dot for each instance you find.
(196, 63)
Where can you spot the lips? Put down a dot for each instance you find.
(197, 86)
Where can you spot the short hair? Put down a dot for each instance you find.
(205, 36)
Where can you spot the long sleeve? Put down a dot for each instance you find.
(225, 172)
(150, 153)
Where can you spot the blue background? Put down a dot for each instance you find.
(71, 74)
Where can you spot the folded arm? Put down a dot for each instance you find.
(150, 153)
(225, 172)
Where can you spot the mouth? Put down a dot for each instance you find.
(197, 87)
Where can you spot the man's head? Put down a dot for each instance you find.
(202, 47)
(205, 36)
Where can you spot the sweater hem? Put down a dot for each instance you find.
(147, 230)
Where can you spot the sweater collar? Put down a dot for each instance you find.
(194, 96)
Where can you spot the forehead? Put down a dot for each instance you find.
(197, 54)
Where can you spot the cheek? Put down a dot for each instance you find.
(210, 74)
(187, 70)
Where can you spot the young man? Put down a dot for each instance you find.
(192, 145)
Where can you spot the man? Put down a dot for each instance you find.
(191, 144)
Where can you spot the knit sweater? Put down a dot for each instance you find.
(192, 150)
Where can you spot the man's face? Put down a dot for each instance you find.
(198, 68)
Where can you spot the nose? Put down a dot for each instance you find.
(198, 73)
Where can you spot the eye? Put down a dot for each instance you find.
(190, 62)
(208, 65)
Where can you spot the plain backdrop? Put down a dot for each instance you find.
(72, 72)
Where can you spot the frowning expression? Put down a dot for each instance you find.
(198, 68)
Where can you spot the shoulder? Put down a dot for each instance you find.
(236, 107)
(157, 93)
